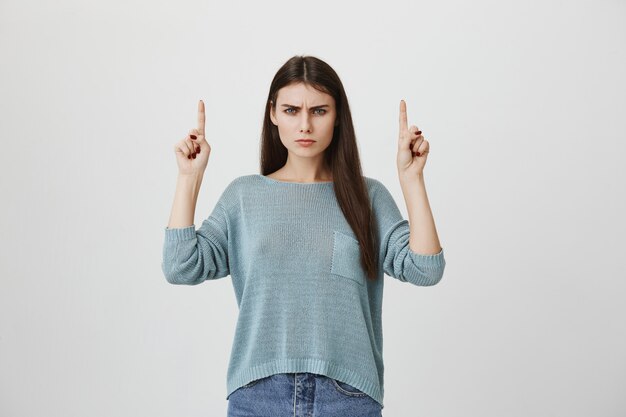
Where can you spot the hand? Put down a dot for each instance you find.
(412, 148)
(192, 155)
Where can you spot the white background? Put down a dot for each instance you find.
(523, 104)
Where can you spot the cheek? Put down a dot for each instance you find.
(328, 126)
(285, 122)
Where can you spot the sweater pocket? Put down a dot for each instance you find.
(346, 260)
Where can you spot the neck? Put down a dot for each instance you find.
(306, 170)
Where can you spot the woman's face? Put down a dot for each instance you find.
(303, 112)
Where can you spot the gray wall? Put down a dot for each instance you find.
(523, 104)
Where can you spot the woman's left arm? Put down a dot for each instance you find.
(412, 153)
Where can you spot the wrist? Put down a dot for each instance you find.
(190, 182)
(411, 179)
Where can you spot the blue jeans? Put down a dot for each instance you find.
(301, 395)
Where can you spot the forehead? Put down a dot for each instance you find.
(299, 93)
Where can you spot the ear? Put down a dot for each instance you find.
(272, 115)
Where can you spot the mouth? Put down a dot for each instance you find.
(305, 143)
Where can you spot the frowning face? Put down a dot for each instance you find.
(303, 112)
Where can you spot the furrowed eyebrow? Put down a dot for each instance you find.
(296, 107)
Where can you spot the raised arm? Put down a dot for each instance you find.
(189, 256)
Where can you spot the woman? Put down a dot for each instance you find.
(306, 243)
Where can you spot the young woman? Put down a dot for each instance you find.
(306, 244)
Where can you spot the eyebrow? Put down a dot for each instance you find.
(313, 107)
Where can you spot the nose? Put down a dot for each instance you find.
(305, 124)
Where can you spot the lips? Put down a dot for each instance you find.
(305, 143)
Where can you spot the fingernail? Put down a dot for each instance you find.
(188, 156)
(192, 136)
(193, 155)
(198, 150)
(417, 153)
(419, 132)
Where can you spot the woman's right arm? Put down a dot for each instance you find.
(185, 199)
(190, 256)
(192, 155)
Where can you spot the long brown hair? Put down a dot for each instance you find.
(342, 155)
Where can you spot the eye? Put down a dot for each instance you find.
(287, 110)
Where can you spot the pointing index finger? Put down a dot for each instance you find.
(404, 126)
(201, 117)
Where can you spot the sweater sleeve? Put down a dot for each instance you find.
(192, 256)
(398, 260)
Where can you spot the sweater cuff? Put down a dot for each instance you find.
(436, 259)
(180, 233)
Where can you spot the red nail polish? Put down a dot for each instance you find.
(188, 156)
(418, 154)
(192, 136)
(198, 150)
(193, 155)
(419, 132)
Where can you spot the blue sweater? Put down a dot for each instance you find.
(305, 304)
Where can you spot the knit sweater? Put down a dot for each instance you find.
(305, 303)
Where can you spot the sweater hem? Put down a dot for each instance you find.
(316, 366)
